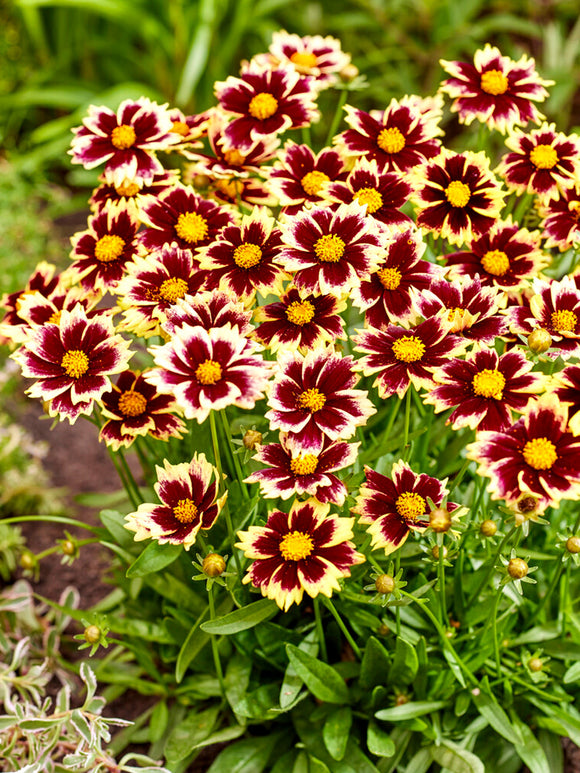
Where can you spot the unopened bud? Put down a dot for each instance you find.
(535, 664)
(517, 568)
(488, 528)
(401, 699)
(213, 565)
(92, 634)
(251, 439)
(539, 340)
(440, 520)
(28, 560)
(573, 544)
(349, 73)
(435, 552)
(68, 547)
(385, 583)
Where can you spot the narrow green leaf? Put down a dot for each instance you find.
(248, 756)
(405, 665)
(572, 674)
(421, 761)
(379, 741)
(158, 722)
(221, 736)
(154, 558)
(237, 677)
(292, 684)
(317, 766)
(456, 759)
(241, 619)
(320, 678)
(553, 750)
(375, 664)
(490, 709)
(193, 729)
(336, 730)
(410, 710)
(193, 644)
(530, 751)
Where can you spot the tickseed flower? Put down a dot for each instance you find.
(506, 256)
(398, 138)
(208, 309)
(181, 217)
(131, 194)
(566, 386)
(543, 161)
(314, 55)
(495, 90)
(401, 356)
(72, 361)
(42, 280)
(208, 370)
(241, 259)
(313, 398)
(395, 506)
(101, 253)
(264, 102)
(124, 141)
(307, 549)
(301, 176)
(383, 193)
(484, 389)
(330, 251)
(300, 323)
(472, 310)
(132, 408)
(189, 502)
(153, 284)
(190, 129)
(456, 195)
(537, 456)
(291, 470)
(560, 219)
(386, 296)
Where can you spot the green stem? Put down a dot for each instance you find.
(337, 116)
(130, 476)
(408, 399)
(398, 609)
(214, 644)
(441, 578)
(320, 629)
(221, 485)
(235, 457)
(494, 630)
(483, 583)
(459, 477)
(355, 648)
(126, 484)
(392, 417)
(50, 519)
(555, 580)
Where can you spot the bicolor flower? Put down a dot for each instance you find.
(561, 219)
(307, 549)
(566, 386)
(42, 280)
(208, 309)
(495, 90)
(536, 456)
(320, 57)
(132, 194)
(188, 503)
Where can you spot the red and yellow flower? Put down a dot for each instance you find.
(561, 219)
(320, 57)
(208, 310)
(566, 386)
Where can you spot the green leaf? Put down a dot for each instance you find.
(221, 736)
(193, 729)
(248, 756)
(410, 710)
(553, 750)
(572, 674)
(259, 704)
(530, 751)
(154, 558)
(159, 721)
(317, 766)
(320, 678)
(192, 645)
(292, 684)
(405, 664)
(379, 741)
(241, 619)
(237, 677)
(336, 730)
(490, 709)
(456, 759)
(421, 762)
(113, 522)
(375, 664)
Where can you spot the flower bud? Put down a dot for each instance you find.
(68, 547)
(488, 528)
(213, 565)
(539, 340)
(385, 583)
(92, 634)
(28, 560)
(349, 73)
(517, 568)
(251, 439)
(401, 699)
(573, 544)
(535, 664)
(440, 520)
(435, 552)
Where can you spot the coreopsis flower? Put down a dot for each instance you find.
(560, 219)
(313, 397)
(300, 323)
(190, 129)
(181, 217)
(241, 259)
(543, 161)
(132, 194)
(472, 309)
(42, 280)
(301, 176)
(208, 310)
(537, 456)
(383, 193)
(506, 256)
(124, 141)
(100, 253)
(385, 297)
(264, 102)
(566, 386)
(133, 408)
(292, 471)
(307, 549)
(495, 90)
(398, 138)
(484, 389)
(188, 503)
(457, 196)
(208, 370)
(155, 282)
(331, 252)
(402, 356)
(395, 506)
(72, 361)
(320, 57)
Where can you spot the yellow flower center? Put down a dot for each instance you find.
(55, 317)
(544, 157)
(185, 511)
(247, 255)
(540, 453)
(263, 106)
(234, 157)
(564, 321)
(127, 189)
(312, 182)
(305, 464)
(123, 136)
(296, 545)
(329, 248)
(489, 383)
(109, 248)
(390, 278)
(191, 227)
(304, 59)
(300, 312)
(75, 363)
(391, 140)
(132, 403)
(173, 288)
(495, 262)
(208, 372)
(410, 505)
(230, 188)
(457, 193)
(371, 197)
(494, 82)
(408, 348)
(180, 127)
(312, 399)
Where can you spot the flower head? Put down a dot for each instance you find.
(566, 386)
(320, 57)
(560, 219)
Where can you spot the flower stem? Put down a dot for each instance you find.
(555, 580)
(459, 477)
(214, 644)
(355, 648)
(320, 629)
(221, 485)
(408, 398)
(483, 583)
(337, 116)
(441, 579)
(235, 457)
